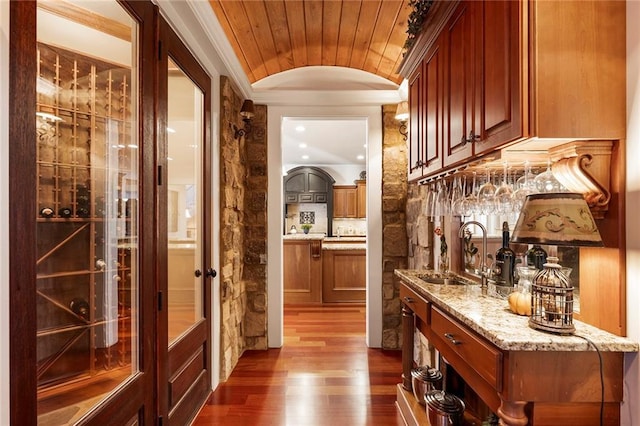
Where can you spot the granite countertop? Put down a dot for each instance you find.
(490, 317)
(345, 239)
(303, 236)
(346, 246)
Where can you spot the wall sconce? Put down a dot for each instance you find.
(402, 115)
(247, 113)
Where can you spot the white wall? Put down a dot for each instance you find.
(4, 213)
(373, 116)
(630, 410)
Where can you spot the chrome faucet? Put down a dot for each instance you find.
(485, 271)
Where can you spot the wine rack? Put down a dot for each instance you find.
(85, 217)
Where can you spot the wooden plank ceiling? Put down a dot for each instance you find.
(271, 36)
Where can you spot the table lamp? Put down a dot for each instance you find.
(560, 219)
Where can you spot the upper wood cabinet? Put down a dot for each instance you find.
(350, 201)
(361, 189)
(513, 70)
(345, 201)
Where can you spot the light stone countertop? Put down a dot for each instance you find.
(491, 318)
(345, 239)
(346, 246)
(303, 236)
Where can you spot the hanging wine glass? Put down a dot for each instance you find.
(546, 182)
(428, 203)
(525, 188)
(504, 194)
(469, 203)
(457, 195)
(443, 202)
(487, 196)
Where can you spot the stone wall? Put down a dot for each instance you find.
(419, 229)
(243, 188)
(394, 220)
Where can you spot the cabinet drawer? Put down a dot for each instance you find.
(320, 197)
(416, 303)
(305, 197)
(483, 357)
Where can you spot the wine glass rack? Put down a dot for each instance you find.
(87, 186)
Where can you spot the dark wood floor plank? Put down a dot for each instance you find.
(323, 375)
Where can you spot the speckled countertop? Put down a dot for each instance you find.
(303, 236)
(490, 317)
(345, 246)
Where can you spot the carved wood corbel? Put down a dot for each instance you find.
(585, 167)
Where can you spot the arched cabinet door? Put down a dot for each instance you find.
(81, 330)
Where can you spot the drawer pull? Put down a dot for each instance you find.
(450, 337)
(408, 299)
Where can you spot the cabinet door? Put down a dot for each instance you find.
(416, 119)
(302, 272)
(463, 82)
(362, 199)
(345, 201)
(433, 105)
(502, 75)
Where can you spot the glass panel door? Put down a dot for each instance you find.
(184, 199)
(87, 206)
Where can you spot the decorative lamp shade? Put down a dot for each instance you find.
(561, 219)
(402, 112)
(247, 110)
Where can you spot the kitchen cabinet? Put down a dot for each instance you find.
(344, 275)
(513, 70)
(525, 377)
(302, 271)
(345, 201)
(361, 190)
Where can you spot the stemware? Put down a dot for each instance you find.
(504, 194)
(487, 196)
(457, 196)
(469, 203)
(428, 203)
(546, 181)
(525, 186)
(443, 202)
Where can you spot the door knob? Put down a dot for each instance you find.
(211, 273)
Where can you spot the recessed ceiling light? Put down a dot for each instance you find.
(365, 145)
(170, 130)
(302, 145)
(305, 157)
(133, 146)
(360, 157)
(300, 128)
(169, 159)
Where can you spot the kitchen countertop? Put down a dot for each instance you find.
(347, 246)
(303, 236)
(490, 317)
(350, 239)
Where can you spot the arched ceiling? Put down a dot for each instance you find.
(272, 36)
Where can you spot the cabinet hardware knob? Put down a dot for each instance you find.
(408, 299)
(198, 273)
(455, 342)
(448, 336)
(211, 273)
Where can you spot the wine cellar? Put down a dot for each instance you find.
(86, 220)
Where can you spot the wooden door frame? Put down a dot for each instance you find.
(170, 45)
(135, 395)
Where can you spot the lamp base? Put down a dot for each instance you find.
(564, 329)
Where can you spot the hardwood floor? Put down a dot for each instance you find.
(323, 375)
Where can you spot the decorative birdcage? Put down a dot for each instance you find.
(552, 300)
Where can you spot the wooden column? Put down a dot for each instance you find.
(408, 321)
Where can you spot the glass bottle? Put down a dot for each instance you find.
(505, 260)
(536, 257)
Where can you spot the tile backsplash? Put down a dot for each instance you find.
(312, 213)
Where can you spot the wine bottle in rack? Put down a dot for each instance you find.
(65, 212)
(80, 307)
(505, 260)
(46, 212)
